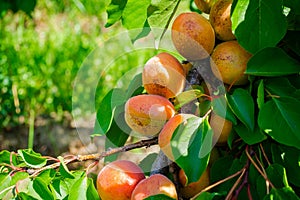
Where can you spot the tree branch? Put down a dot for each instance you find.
(96, 156)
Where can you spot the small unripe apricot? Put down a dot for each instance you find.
(165, 135)
(221, 128)
(193, 36)
(163, 75)
(147, 114)
(190, 190)
(229, 62)
(204, 5)
(118, 179)
(220, 20)
(154, 185)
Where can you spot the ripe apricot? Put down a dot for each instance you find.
(221, 128)
(118, 179)
(229, 62)
(154, 185)
(147, 114)
(193, 188)
(204, 5)
(165, 135)
(193, 36)
(220, 20)
(163, 75)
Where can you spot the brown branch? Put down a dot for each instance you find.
(237, 182)
(97, 156)
(264, 153)
(219, 182)
(258, 169)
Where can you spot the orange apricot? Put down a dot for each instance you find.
(220, 20)
(191, 189)
(193, 36)
(229, 62)
(118, 179)
(147, 114)
(221, 128)
(163, 75)
(154, 185)
(165, 135)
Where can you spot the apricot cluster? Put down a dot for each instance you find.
(152, 113)
(124, 180)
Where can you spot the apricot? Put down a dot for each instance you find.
(154, 185)
(229, 62)
(193, 36)
(220, 20)
(205, 5)
(147, 114)
(165, 135)
(190, 190)
(163, 75)
(221, 128)
(118, 179)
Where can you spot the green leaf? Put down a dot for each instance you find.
(160, 14)
(238, 11)
(250, 137)
(63, 169)
(281, 115)
(114, 11)
(5, 157)
(206, 196)
(91, 192)
(267, 23)
(242, 105)
(277, 175)
(285, 193)
(42, 189)
(18, 176)
(221, 108)
(135, 87)
(79, 189)
(24, 196)
(105, 113)
(186, 97)
(291, 162)
(272, 61)
(280, 87)
(159, 197)
(191, 146)
(260, 94)
(60, 188)
(5, 180)
(117, 134)
(32, 159)
(146, 163)
(134, 16)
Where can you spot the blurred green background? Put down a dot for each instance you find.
(40, 54)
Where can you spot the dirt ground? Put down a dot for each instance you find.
(63, 138)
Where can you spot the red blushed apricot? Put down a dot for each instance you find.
(165, 135)
(229, 62)
(220, 20)
(118, 179)
(147, 114)
(193, 36)
(163, 75)
(154, 185)
(190, 190)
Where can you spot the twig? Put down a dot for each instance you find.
(97, 156)
(264, 153)
(257, 168)
(249, 192)
(219, 182)
(235, 184)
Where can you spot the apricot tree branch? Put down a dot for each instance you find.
(97, 156)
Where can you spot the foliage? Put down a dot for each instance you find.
(261, 160)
